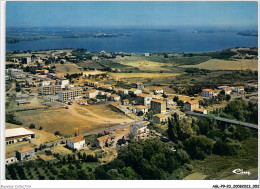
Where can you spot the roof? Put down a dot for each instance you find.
(91, 90)
(9, 155)
(25, 149)
(207, 90)
(133, 89)
(160, 115)
(199, 109)
(121, 89)
(227, 89)
(17, 132)
(77, 139)
(240, 87)
(142, 95)
(141, 107)
(158, 101)
(114, 95)
(157, 88)
(147, 91)
(139, 83)
(103, 138)
(193, 102)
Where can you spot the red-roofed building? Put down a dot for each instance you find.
(101, 142)
(207, 93)
(190, 105)
(76, 143)
(143, 99)
(158, 106)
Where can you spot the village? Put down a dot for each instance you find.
(35, 85)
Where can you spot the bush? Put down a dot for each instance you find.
(32, 126)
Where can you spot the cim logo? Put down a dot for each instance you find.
(241, 172)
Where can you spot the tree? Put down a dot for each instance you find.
(57, 133)
(199, 146)
(175, 99)
(32, 126)
(170, 130)
(228, 97)
(182, 156)
(40, 128)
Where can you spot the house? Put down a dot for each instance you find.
(115, 97)
(144, 99)
(190, 105)
(146, 54)
(76, 143)
(159, 118)
(140, 108)
(158, 90)
(238, 89)
(90, 83)
(82, 102)
(134, 91)
(98, 85)
(106, 87)
(10, 158)
(201, 111)
(207, 93)
(23, 102)
(94, 58)
(169, 102)
(25, 153)
(139, 85)
(18, 135)
(158, 106)
(92, 93)
(125, 102)
(122, 91)
(139, 131)
(227, 91)
(101, 142)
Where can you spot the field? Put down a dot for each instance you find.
(216, 64)
(67, 68)
(66, 121)
(146, 65)
(247, 159)
(119, 76)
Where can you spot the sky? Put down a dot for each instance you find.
(131, 14)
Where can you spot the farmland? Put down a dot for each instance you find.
(119, 76)
(67, 68)
(217, 64)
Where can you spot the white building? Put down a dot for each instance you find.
(76, 143)
(227, 91)
(140, 108)
(10, 158)
(140, 130)
(158, 90)
(207, 93)
(92, 93)
(69, 95)
(18, 135)
(115, 97)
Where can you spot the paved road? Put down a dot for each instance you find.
(223, 119)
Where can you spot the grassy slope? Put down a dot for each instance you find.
(220, 167)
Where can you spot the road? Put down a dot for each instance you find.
(223, 119)
(95, 132)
